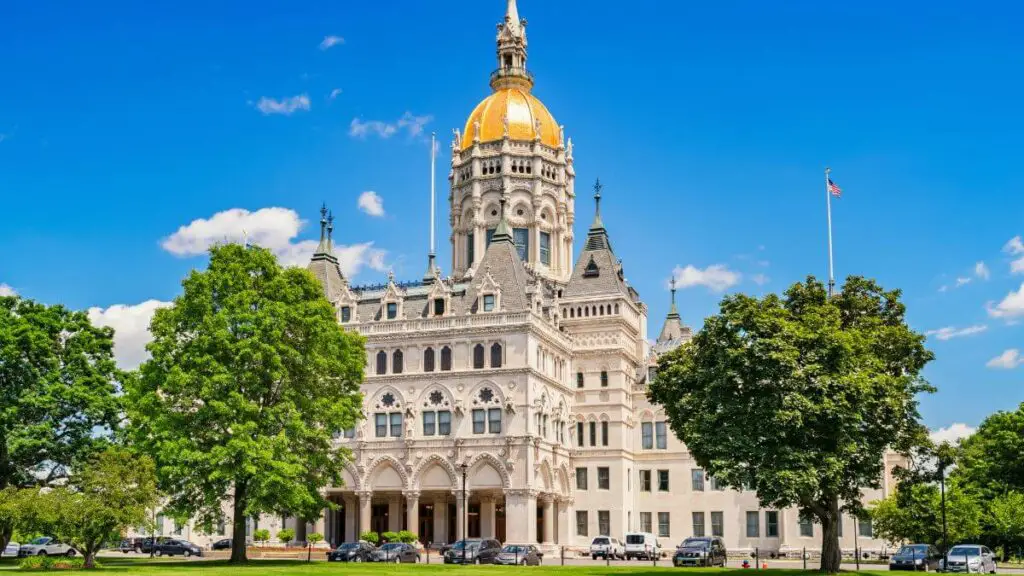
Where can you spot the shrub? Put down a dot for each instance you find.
(389, 536)
(53, 563)
(261, 535)
(406, 536)
(286, 535)
(315, 538)
(370, 537)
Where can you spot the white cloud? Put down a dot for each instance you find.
(371, 203)
(285, 106)
(334, 94)
(331, 41)
(1010, 307)
(716, 277)
(131, 329)
(6, 290)
(943, 288)
(982, 271)
(760, 279)
(962, 280)
(1008, 360)
(952, 433)
(413, 125)
(272, 228)
(949, 332)
(1015, 247)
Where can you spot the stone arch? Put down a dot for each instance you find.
(604, 418)
(386, 472)
(646, 416)
(425, 472)
(497, 397)
(376, 404)
(350, 476)
(425, 401)
(591, 418)
(483, 464)
(564, 487)
(545, 477)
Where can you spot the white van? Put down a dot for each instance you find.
(642, 545)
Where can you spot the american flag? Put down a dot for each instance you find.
(835, 189)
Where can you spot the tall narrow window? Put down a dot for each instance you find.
(645, 480)
(429, 423)
(579, 379)
(771, 524)
(396, 424)
(479, 421)
(662, 480)
(604, 379)
(581, 522)
(753, 525)
(488, 302)
(698, 524)
(346, 314)
(806, 528)
(659, 432)
(470, 249)
(864, 528)
(717, 524)
(645, 522)
(428, 360)
(446, 359)
(396, 362)
(438, 306)
(392, 310)
(494, 421)
(380, 425)
(647, 435)
(604, 522)
(579, 434)
(604, 433)
(593, 433)
(716, 485)
(581, 478)
(603, 478)
(697, 479)
(495, 355)
(521, 236)
(382, 362)
(664, 525)
(478, 356)
(444, 423)
(545, 248)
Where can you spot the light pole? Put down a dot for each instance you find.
(465, 510)
(942, 488)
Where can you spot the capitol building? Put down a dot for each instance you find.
(507, 398)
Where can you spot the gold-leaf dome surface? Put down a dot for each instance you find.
(522, 110)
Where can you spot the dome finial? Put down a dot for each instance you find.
(597, 196)
(325, 244)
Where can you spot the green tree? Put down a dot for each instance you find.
(1006, 518)
(285, 535)
(800, 396)
(261, 535)
(913, 514)
(407, 537)
(58, 381)
(250, 378)
(992, 459)
(371, 537)
(315, 538)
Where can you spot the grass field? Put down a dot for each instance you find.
(131, 567)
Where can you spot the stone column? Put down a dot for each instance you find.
(520, 516)
(549, 518)
(441, 520)
(395, 512)
(412, 510)
(319, 525)
(365, 499)
(565, 521)
(460, 514)
(351, 519)
(487, 517)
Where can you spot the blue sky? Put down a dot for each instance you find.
(709, 124)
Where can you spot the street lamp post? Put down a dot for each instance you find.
(465, 510)
(942, 488)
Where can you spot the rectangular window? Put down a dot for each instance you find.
(717, 524)
(396, 424)
(479, 421)
(429, 423)
(494, 420)
(521, 237)
(806, 528)
(346, 314)
(663, 525)
(645, 522)
(444, 423)
(438, 306)
(579, 379)
(645, 481)
(698, 524)
(604, 433)
(581, 478)
(753, 525)
(647, 435)
(350, 433)
(771, 524)
(381, 421)
(490, 235)
(488, 302)
(581, 522)
(715, 484)
(392, 309)
(697, 479)
(545, 248)
(603, 478)
(662, 480)
(659, 431)
(604, 522)
(864, 528)
(470, 249)
(593, 433)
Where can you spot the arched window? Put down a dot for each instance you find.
(382, 362)
(428, 360)
(604, 379)
(496, 355)
(446, 359)
(572, 312)
(478, 356)
(601, 309)
(396, 362)
(616, 308)
(586, 311)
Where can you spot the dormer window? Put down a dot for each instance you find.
(346, 314)
(488, 302)
(438, 306)
(591, 271)
(392, 310)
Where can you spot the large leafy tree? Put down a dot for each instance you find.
(58, 386)
(250, 378)
(913, 513)
(799, 396)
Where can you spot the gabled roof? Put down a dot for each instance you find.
(597, 272)
(324, 265)
(502, 263)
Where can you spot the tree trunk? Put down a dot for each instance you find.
(238, 530)
(831, 555)
(89, 558)
(6, 531)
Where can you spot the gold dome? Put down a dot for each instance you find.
(522, 110)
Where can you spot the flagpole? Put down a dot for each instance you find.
(433, 162)
(828, 205)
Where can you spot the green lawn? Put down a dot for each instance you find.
(131, 567)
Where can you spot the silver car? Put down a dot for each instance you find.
(970, 558)
(11, 550)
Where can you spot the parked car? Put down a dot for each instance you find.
(46, 546)
(969, 558)
(11, 550)
(705, 552)
(175, 547)
(606, 547)
(916, 557)
(396, 552)
(223, 544)
(352, 552)
(512, 555)
(473, 551)
(642, 545)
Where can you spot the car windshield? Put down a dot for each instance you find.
(634, 538)
(600, 541)
(391, 546)
(469, 545)
(964, 551)
(515, 549)
(348, 546)
(913, 550)
(696, 543)
(41, 541)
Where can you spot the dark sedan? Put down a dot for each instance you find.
(513, 555)
(396, 552)
(223, 544)
(916, 557)
(704, 552)
(352, 552)
(177, 548)
(473, 551)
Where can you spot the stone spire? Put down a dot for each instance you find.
(330, 232)
(325, 244)
(597, 236)
(672, 330)
(324, 264)
(503, 233)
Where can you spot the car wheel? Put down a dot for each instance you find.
(158, 553)
(42, 553)
(138, 549)
(359, 558)
(186, 554)
(476, 561)
(71, 552)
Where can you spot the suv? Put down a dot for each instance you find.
(473, 551)
(607, 548)
(705, 551)
(45, 546)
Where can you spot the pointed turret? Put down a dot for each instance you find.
(597, 270)
(511, 70)
(673, 328)
(324, 264)
(502, 265)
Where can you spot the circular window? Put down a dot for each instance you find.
(388, 400)
(436, 397)
(519, 212)
(486, 395)
(494, 212)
